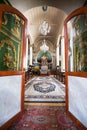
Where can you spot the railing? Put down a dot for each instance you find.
(28, 75)
(60, 76)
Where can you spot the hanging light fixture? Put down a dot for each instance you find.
(44, 8)
(44, 28)
(44, 47)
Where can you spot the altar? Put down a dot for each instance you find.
(44, 70)
(44, 65)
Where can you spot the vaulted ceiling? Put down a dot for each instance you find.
(66, 5)
(57, 11)
(53, 16)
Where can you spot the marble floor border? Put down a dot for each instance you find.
(44, 104)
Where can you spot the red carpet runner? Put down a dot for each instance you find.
(44, 118)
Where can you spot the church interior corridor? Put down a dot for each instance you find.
(43, 65)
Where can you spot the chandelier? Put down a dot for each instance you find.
(44, 28)
(44, 47)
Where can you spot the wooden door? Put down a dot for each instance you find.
(75, 26)
(12, 64)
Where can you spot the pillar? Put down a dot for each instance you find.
(31, 54)
(57, 52)
(62, 54)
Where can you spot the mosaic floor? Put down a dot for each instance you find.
(44, 89)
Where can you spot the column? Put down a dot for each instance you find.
(57, 55)
(62, 54)
(31, 54)
(26, 60)
(57, 52)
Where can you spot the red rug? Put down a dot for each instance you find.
(44, 118)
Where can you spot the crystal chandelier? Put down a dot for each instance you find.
(44, 47)
(44, 28)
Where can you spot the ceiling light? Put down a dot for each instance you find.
(44, 28)
(44, 8)
(44, 47)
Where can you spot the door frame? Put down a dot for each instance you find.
(79, 11)
(6, 8)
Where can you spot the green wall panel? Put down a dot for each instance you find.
(11, 42)
(80, 43)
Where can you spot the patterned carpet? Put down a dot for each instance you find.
(44, 89)
(44, 118)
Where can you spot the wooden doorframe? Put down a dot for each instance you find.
(82, 10)
(6, 8)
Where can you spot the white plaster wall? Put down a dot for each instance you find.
(10, 97)
(78, 98)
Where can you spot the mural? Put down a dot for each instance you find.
(78, 43)
(11, 42)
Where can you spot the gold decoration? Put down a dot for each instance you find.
(8, 61)
(44, 60)
(5, 20)
(15, 31)
(18, 22)
(7, 57)
(1, 45)
(10, 36)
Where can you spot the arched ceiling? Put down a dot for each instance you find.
(36, 16)
(56, 13)
(66, 5)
